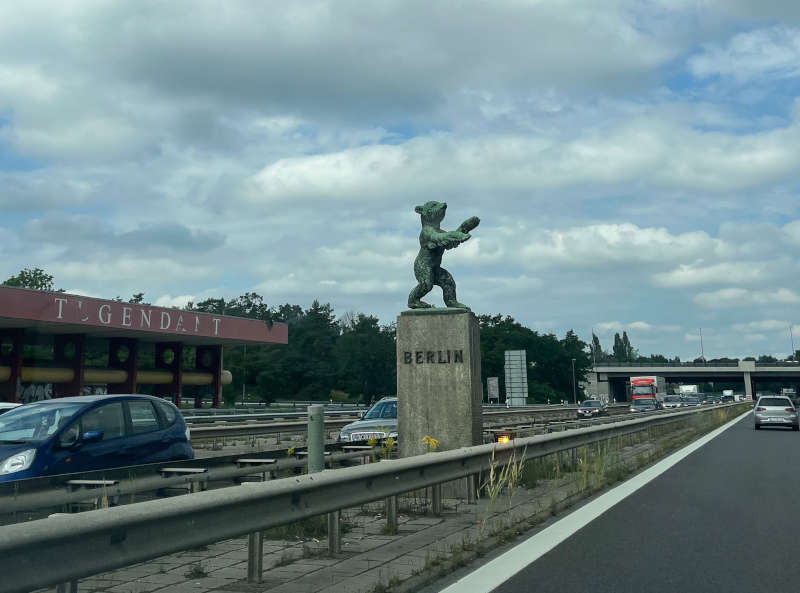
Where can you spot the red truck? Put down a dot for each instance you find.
(643, 388)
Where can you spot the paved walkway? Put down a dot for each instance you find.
(371, 559)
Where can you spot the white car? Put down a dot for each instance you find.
(672, 401)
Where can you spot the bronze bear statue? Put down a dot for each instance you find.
(433, 242)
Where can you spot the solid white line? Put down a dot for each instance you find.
(497, 571)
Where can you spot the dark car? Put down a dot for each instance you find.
(727, 399)
(646, 404)
(78, 434)
(590, 408)
(691, 400)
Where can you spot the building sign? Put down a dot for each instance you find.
(433, 357)
(61, 309)
(123, 315)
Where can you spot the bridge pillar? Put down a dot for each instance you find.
(748, 385)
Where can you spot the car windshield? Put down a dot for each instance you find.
(34, 423)
(781, 402)
(647, 390)
(382, 410)
(591, 404)
(691, 400)
(643, 402)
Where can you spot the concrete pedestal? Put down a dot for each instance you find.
(439, 388)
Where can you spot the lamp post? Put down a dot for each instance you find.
(574, 393)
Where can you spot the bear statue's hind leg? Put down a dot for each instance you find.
(445, 280)
(414, 299)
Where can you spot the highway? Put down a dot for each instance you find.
(722, 519)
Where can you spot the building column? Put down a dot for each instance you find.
(208, 359)
(123, 354)
(69, 350)
(12, 346)
(169, 357)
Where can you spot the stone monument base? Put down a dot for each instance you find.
(439, 390)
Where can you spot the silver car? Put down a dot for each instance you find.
(775, 410)
(379, 422)
(673, 401)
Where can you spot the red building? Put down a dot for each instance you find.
(61, 324)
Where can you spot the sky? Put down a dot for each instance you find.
(634, 163)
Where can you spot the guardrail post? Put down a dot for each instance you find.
(255, 556)
(472, 489)
(334, 532)
(436, 499)
(316, 438)
(391, 513)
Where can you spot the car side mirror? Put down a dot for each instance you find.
(92, 436)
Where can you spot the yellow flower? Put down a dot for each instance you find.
(390, 443)
(371, 441)
(290, 451)
(431, 442)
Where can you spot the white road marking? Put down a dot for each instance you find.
(495, 572)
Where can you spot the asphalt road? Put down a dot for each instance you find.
(726, 519)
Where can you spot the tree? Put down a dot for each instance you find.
(36, 279)
(630, 351)
(365, 356)
(619, 353)
(597, 350)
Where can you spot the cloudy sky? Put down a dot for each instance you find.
(635, 163)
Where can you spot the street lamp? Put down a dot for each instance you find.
(574, 393)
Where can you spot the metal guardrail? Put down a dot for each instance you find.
(77, 546)
(667, 364)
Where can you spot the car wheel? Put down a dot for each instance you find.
(795, 427)
(757, 426)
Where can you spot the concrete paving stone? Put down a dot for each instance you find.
(162, 578)
(239, 554)
(217, 562)
(289, 572)
(135, 587)
(230, 572)
(426, 521)
(295, 587)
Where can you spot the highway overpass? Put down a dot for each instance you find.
(748, 372)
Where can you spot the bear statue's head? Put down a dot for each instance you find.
(431, 212)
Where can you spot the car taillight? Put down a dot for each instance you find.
(761, 409)
(789, 409)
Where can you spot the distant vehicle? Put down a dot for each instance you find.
(688, 389)
(90, 432)
(727, 398)
(590, 408)
(644, 388)
(775, 410)
(379, 422)
(691, 400)
(673, 401)
(727, 392)
(710, 398)
(644, 405)
(6, 406)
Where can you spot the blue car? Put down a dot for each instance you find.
(78, 434)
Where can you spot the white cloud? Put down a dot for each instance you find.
(738, 272)
(166, 300)
(741, 297)
(763, 325)
(771, 52)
